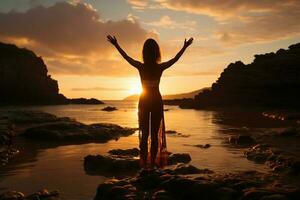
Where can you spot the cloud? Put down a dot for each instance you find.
(166, 22)
(99, 89)
(138, 4)
(224, 9)
(241, 21)
(71, 36)
(194, 52)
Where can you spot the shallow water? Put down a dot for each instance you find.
(61, 167)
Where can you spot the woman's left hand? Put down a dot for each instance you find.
(112, 39)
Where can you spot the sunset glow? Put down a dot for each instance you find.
(136, 89)
(74, 47)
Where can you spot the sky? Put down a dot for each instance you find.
(70, 35)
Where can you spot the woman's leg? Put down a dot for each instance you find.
(144, 128)
(156, 117)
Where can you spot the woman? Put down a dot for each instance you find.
(150, 108)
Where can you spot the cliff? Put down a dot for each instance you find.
(24, 79)
(271, 80)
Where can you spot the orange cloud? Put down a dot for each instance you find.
(166, 22)
(138, 4)
(72, 37)
(242, 21)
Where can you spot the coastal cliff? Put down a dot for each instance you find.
(271, 80)
(24, 79)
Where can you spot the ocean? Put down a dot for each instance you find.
(62, 167)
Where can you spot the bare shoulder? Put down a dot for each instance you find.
(140, 65)
(163, 65)
(136, 64)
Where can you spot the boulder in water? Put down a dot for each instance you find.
(121, 162)
(187, 169)
(109, 108)
(179, 158)
(241, 140)
(72, 132)
(125, 152)
(110, 165)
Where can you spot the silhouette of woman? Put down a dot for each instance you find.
(150, 107)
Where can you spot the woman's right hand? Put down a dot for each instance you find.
(188, 43)
(112, 39)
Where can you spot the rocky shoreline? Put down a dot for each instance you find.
(6, 134)
(52, 131)
(161, 184)
(43, 194)
(277, 149)
(288, 115)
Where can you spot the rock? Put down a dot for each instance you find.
(149, 179)
(91, 101)
(40, 195)
(29, 117)
(289, 115)
(12, 195)
(278, 161)
(193, 189)
(187, 169)
(125, 164)
(274, 197)
(7, 133)
(125, 152)
(106, 191)
(255, 194)
(241, 140)
(226, 193)
(175, 133)
(107, 165)
(182, 135)
(203, 146)
(171, 132)
(72, 132)
(259, 153)
(289, 132)
(44, 194)
(179, 158)
(7, 154)
(109, 108)
(294, 194)
(166, 184)
(279, 168)
(294, 168)
(162, 195)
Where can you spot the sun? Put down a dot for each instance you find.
(136, 89)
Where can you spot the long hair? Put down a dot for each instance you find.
(151, 52)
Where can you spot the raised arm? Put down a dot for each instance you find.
(169, 63)
(113, 41)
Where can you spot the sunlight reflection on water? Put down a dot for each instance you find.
(62, 167)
